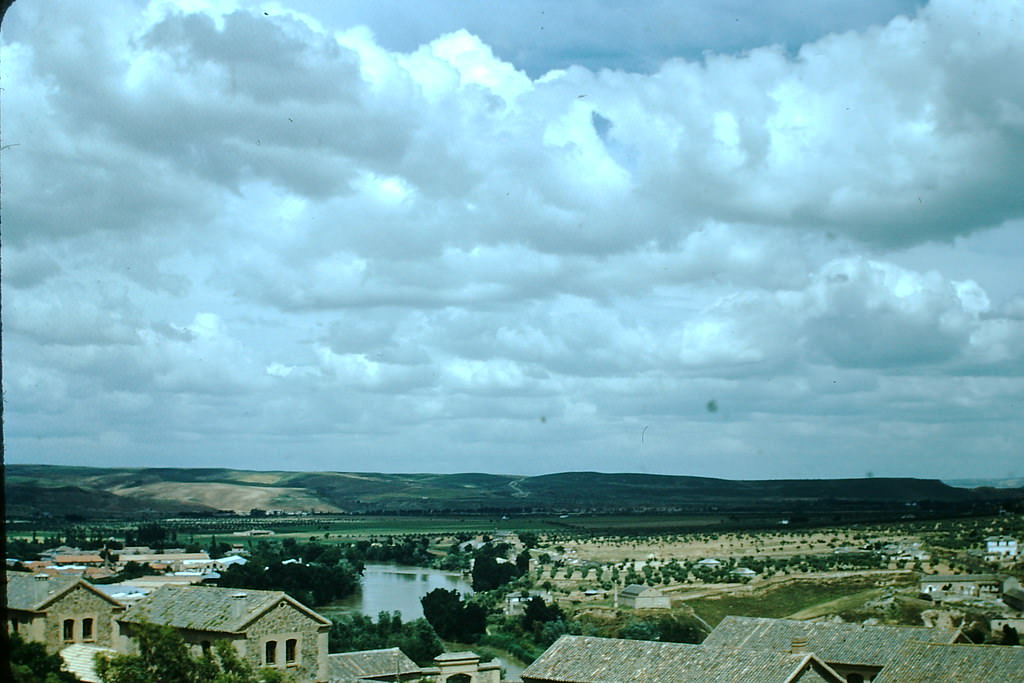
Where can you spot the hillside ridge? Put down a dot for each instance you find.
(34, 490)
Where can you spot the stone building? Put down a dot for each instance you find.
(972, 585)
(59, 611)
(586, 659)
(267, 628)
(858, 652)
(635, 596)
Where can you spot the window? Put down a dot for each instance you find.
(69, 629)
(270, 652)
(291, 648)
(14, 625)
(205, 646)
(87, 633)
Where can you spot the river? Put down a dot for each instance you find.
(396, 588)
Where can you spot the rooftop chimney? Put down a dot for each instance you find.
(237, 605)
(799, 645)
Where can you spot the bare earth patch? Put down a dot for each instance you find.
(236, 497)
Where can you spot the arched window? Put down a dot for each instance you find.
(291, 650)
(87, 633)
(69, 629)
(270, 652)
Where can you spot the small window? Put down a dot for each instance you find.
(14, 624)
(270, 652)
(87, 633)
(69, 629)
(291, 649)
(205, 645)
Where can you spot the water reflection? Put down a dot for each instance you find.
(394, 588)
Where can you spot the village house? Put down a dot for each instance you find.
(173, 561)
(516, 601)
(59, 611)
(1000, 548)
(855, 651)
(586, 659)
(267, 628)
(1014, 599)
(635, 596)
(972, 585)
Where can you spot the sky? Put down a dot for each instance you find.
(716, 238)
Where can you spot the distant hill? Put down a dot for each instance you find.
(34, 490)
(1011, 483)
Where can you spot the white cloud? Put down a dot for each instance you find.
(233, 228)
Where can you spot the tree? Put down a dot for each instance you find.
(528, 539)
(30, 663)
(443, 609)
(416, 639)
(164, 656)
(452, 619)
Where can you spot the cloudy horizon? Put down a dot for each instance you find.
(726, 239)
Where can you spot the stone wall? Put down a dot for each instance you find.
(281, 624)
(79, 604)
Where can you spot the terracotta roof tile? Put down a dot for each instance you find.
(917, 662)
(585, 659)
(854, 644)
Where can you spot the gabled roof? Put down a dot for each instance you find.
(634, 589)
(355, 666)
(585, 659)
(33, 592)
(204, 608)
(917, 662)
(854, 644)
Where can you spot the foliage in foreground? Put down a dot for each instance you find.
(355, 632)
(164, 656)
(30, 663)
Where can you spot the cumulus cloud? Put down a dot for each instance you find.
(243, 230)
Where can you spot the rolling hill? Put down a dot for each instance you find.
(33, 490)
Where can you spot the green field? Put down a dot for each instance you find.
(786, 599)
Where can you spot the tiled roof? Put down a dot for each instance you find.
(633, 589)
(353, 666)
(856, 644)
(939, 663)
(203, 608)
(33, 592)
(83, 558)
(80, 659)
(30, 592)
(585, 659)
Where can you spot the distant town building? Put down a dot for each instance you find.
(635, 596)
(1001, 548)
(972, 585)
